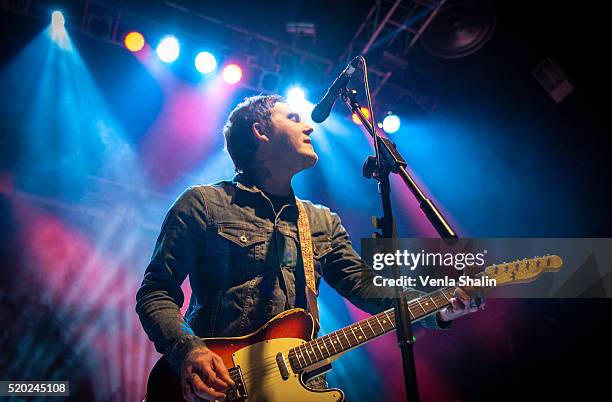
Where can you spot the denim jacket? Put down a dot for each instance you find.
(243, 261)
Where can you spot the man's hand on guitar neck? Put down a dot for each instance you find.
(204, 376)
(466, 300)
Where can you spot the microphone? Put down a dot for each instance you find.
(322, 110)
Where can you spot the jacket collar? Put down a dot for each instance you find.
(243, 182)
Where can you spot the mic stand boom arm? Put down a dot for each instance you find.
(389, 160)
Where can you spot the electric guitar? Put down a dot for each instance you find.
(273, 363)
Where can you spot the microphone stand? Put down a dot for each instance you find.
(388, 160)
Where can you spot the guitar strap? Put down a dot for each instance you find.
(308, 262)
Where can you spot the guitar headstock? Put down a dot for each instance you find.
(521, 271)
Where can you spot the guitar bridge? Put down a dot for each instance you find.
(238, 392)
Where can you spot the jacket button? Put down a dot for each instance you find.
(243, 239)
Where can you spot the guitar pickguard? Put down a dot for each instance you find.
(263, 379)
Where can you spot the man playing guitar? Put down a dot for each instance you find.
(239, 243)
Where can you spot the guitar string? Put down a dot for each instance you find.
(262, 377)
(257, 372)
(271, 366)
(318, 342)
(253, 372)
(263, 369)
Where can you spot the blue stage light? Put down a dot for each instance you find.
(205, 62)
(391, 123)
(57, 30)
(168, 49)
(57, 20)
(296, 95)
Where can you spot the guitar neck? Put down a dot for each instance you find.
(356, 334)
(344, 339)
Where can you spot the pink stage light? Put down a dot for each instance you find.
(232, 73)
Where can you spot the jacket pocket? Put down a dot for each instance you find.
(240, 234)
(243, 248)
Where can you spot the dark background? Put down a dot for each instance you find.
(522, 348)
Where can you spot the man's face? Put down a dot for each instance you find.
(289, 146)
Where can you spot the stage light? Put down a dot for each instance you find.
(57, 20)
(232, 73)
(168, 49)
(134, 41)
(205, 62)
(57, 30)
(296, 95)
(366, 113)
(391, 123)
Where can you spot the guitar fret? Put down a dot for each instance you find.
(371, 332)
(421, 306)
(347, 339)
(384, 322)
(314, 351)
(412, 316)
(445, 296)
(434, 302)
(301, 349)
(427, 304)
(340, 340)
(324, 344)
(308, 354)
(359, 340)
(378, 321)
(301, 354)
(354, 336)
(298, 353)
(391, 321)
(297, 357)
(391, 315)
(442, 299)
(448, 294)
(418, 305)
(331, 342)
(370, 325)
(293, 359)
(312, 345)
(335, 340)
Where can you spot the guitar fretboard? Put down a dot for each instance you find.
(356, 334)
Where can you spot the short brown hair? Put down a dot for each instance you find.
(239, 140)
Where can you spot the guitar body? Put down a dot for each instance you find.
(256, 358)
